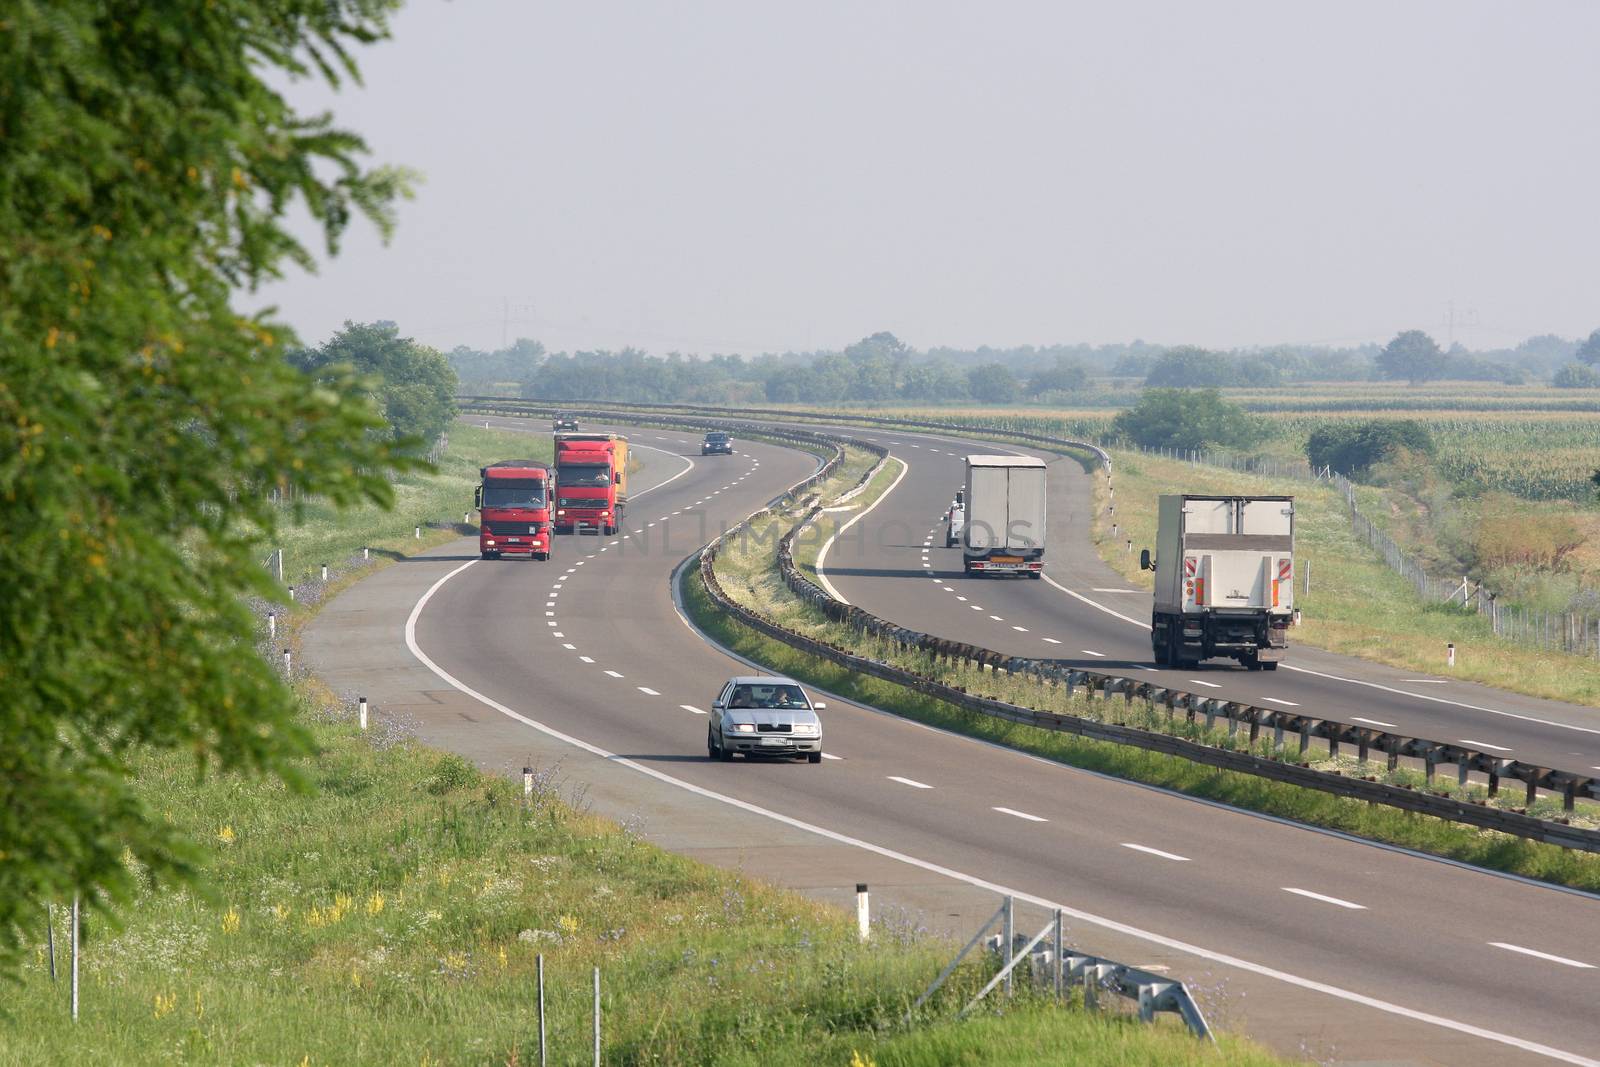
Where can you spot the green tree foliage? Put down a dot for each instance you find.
(993, 383)
(1576, 376)
(1066, 375)
(1187, 418)
(484, 372)
(146, 161)
(1352, 448)
(1190, 367)
(1412, 356)
(1589, 351)
(413, 385)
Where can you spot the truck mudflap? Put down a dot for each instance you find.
(1271, 655)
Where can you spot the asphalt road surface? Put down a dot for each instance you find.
(1324, 947)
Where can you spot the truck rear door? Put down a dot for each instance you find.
(1025, 515)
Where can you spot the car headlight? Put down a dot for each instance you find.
(742, 727)
(489, 542)
(805, 728)
(563, 511)
(604, 512)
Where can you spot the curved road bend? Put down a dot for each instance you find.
(1319, 945)
(1090, 616)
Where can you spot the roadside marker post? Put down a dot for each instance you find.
(1450, 654)
(863, 912)
(362, 705)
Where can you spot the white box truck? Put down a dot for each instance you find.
(1224, 579)
(1003, 529)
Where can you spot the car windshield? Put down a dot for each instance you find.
(514, 493)
(764, 695)
(716, 438)
(584, 475)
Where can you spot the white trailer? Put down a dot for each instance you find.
(1224, 579)
(1004, 527)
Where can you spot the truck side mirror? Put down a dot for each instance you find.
(616, 479)
(1145, 562)
(477, 498)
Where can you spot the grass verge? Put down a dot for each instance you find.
(396, 914)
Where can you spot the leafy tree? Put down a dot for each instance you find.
(413, 385)
(147, 159)
(936, 380)
(1186, 418)
(1576, 376)
(1589, 351)
(1353, 448)
(1066, 376)
(993, 383)
(1412, 356)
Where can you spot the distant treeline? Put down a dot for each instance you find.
(882, 368)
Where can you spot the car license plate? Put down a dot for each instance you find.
(774, 741)
(1005, 559)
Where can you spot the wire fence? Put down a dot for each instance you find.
(1551, 631)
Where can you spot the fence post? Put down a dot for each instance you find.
(539, 969)
(50, 936)
(597, 1017)
(1009, 926)
(75, 920)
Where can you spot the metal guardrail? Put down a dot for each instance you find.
(1569, 785)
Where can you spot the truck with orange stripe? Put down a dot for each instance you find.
(1224, 570)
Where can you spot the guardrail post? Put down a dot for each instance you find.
(1233, 720)
(1305, 735)
(1463, 765)
(1569, 796)
(1428, 763)
(1333, 744)
(1394, 754)
(1008, 936)
(1533, 788)
(1494, 778)
(1277, 735)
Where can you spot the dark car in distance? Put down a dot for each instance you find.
(716, 443)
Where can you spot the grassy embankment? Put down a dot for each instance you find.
(747, 572)
(394, 916)
(1356, 604)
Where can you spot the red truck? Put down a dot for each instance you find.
(592, 475)
(513, 502)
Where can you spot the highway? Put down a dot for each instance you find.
(1323, 946)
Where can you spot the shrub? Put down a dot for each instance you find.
(1576, 376)
(1353, 448)
(1187, 418)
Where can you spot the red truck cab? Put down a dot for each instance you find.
(513, 502)
(592, 472)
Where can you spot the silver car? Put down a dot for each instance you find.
(764, 716)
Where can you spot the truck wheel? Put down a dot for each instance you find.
(1270, 665)
(1158, 647)
(1036, 575)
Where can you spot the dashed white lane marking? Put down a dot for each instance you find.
(1155, 852)
(1104, 922)
(1285, 703)
(1095, 589)
(581, 562)
(648, 525)
(1208, 685)
(1052, 640)
(549, 603)
(1092, 652)
(997, 618)
(1325, 899)
(912, 782)
(587, 659)
(1020, 629)
(569, 646)
(557, 633)
(614, 674)
(549, 614)
(1542, 955)
(691, 708)
(609, 543)
(664, 518)
(1021, 814)
(556, 592)
(1482, 744)
(976, 607)
(647, 691)
(547, 623)
(947, 589)
(1374, 722)
(961, 598)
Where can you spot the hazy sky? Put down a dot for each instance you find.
(748, 176)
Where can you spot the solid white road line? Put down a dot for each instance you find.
(1090, 652)
(1426, 681)
(1021, 814)
(1374, 722)
(1155, 852)
(997, 888)
(1285, 703)
(614, 674)
(822, 553)
(691, 708)
(909, 781)
(1208, 685)
(647, 691)
(1325, 899)
(1482, 744)
(1543, 955)
(1096, 589)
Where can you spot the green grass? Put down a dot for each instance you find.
(394, 916)
(747, 571)
(1357, 606)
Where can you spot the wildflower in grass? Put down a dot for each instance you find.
(280, 912)
(375, 904)
(500, 955)
(199, 1006)
(340, 907)
(230, 921)
(226, 835)
(568, 924)
(355, 978)
(315, 917)
(165, 1002)
(858, 1060)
